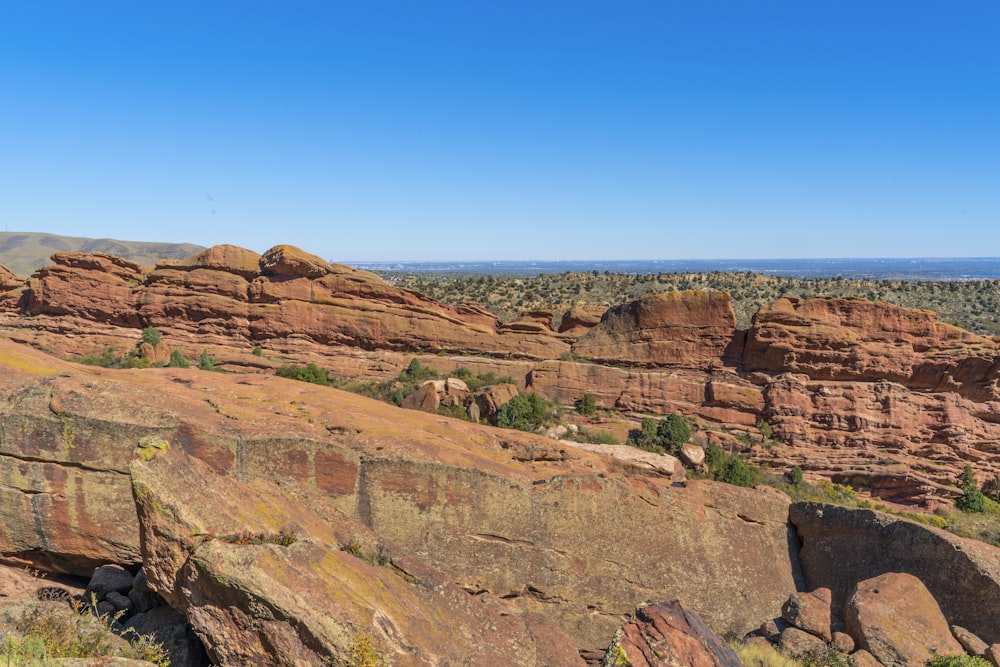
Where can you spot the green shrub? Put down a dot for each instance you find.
(524, 412)
(972, 500)
(714, 456)
(765, 429)
(587, 405)
(206, 362)
(961, 660)
(735, 471)
(105, 359)
(673, 432)
(417, 372)
(177, 360)
(967, 477)
(311, 373)
(257, 351)
(795, 475)
(151, 335)
(40, 632)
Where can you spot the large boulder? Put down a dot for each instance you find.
(810, 612)
(895, 618)
(692, 328)
(843, 547)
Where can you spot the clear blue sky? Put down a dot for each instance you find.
(505, 129)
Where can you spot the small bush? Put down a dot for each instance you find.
(714, 456)
(524, 412)
(364, 653)
(43, 631)
(178, 360)
(961, 660)
(735, 471)
(755, 655)
(206, 362)
(105, 359)
(257, 351)
(587, 405)
(765, 429)
(795, 475)
(673, 432)
(151, 335)
(311, 373)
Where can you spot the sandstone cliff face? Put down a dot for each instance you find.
(842, 547)
(285, 294)
(692, 328)
(858, 340)
(576, 536)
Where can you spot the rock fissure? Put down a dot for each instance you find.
(65, 463)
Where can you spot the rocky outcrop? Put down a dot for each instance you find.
(859, 340)
(432, 394)
(843, 547)
(577, 321)
(810, 611)
(576, 536)
(883, 398)
(895, 618)
(11, 288)
(667, 634)
(266, 580)
(693, 328)
(284, 294)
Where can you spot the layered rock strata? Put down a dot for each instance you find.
(579, 537)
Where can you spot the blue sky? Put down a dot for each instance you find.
(507, 130)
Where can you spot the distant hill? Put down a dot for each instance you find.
(24, 252)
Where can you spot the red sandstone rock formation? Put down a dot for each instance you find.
(843, 547)
(895, 618)
(579, 537)
(577, 321)
(886, 399)
(666, 634)
(859, 340)
(693, 329)
(265, 579)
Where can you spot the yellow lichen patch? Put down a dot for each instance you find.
(19, 358)
(150, 447)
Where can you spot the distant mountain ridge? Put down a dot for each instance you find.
(24, 252)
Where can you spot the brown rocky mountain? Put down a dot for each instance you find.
(25, 252)
(291, 523)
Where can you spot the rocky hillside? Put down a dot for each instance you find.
(289, 523)
(297, 524)
(887, 399)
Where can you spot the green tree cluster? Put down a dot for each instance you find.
(730, 468)
(524, 412)
(587, 405)
(972, 499)
(667, 436)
